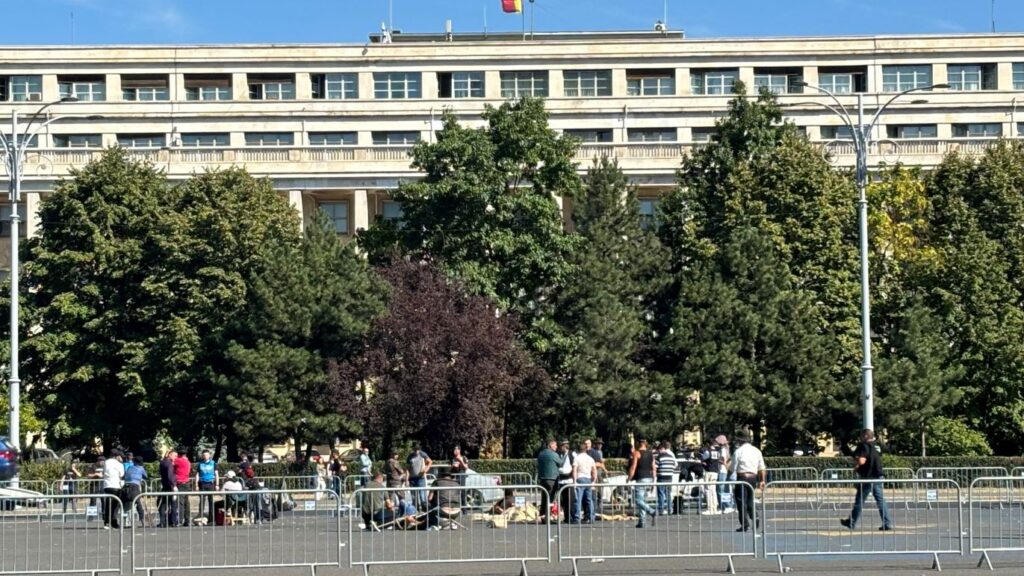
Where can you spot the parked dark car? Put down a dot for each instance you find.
(8, 459)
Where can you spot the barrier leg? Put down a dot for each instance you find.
(575, 567)
(366, 570)
(782, 569)
(985, 560)
(935, 563)
(731, 569)
(523, 572)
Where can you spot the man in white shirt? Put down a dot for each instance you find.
(748, 465)
(584, 474)
(113, 482)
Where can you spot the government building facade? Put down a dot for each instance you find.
(332, 125)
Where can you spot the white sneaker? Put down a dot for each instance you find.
(710, 513)
(728, 511)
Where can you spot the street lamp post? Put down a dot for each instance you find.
(14, 153)
(861, 132)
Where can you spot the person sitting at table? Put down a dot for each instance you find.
(444, 502)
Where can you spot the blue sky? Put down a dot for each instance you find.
(229, 21)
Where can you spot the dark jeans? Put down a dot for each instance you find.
(743, 494)
(184, 506)
(206, 502)
(568, 502)
(419, 497)
(112, 508)
(131, 491)
(875, 489)
(548, 495)
(167, 508)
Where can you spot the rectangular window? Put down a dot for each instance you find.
(970, 77)
(648, 213)
(652, 134)
(978, 130)
(713, 82)
(779, 80)
(271, 86)
(337, 214)
(703, 134)
(332, 138)
(77, 140)
(588, 136)
(587, 83)
(900, 78)
(397, 85)
(460, 84)
(269, 139)
(843, 79)
(5, 220)
(207, 87)
(141, 140)
(395, 138)
(911, 131)
(836, 133)
(85, 88)
(524, 83)
(651, 82)
(144, 88)
(206, 140)
(335, 86)
(391, 211)
(32, 142)
(1018, 76)
(24, 88)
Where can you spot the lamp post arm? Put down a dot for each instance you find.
(831, 95)
(878, 113)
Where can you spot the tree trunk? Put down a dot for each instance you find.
(232, 444)
(924, 444)
(218, 447)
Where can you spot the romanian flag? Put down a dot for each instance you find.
(512, 6)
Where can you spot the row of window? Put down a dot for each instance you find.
(514, 84)
(407, 138)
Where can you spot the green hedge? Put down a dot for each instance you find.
(54, 470)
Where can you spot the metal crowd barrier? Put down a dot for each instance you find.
(995, 527)
(80, 544)
(384, 531)
(789, 529)
(806, 475)
(1017, 472)
(261, 532)
(964, 477)
(902, 496)
(686, 533)
(41, 486)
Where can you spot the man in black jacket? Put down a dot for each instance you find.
(168, 511)
(868, 466)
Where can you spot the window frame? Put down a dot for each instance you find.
(199, 138)
(94, 90)
(648, 217)
(903, 77)
(631, 132)
(638, 82)
(333, 218)
(533, 83)
(406, 141)
(86, 141)
(161, 138)
(15, 81)
(342, 141)
(397, 85)
(274, 139)
(596, 83)
(335, 86)
(700, 85)
(582, 134)
(966, 129)
(898, 131)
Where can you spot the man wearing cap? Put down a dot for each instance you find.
(748, 465)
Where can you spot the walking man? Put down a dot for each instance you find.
(748, 465)
(167, 507)
(584, 474)
(548, 463)
(207, 480)
(666, 469)
(641, 471)
(113, 482)
(182, 474)
(868, 466)
(134, 477)
(418, 464)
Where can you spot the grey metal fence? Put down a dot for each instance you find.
(898, 495)
(805, 475)
(698, 531)
(790, 529)
(264, 529)
(963, 478)
(41, 486)
(388, 530)
(995, 527)
(1017, 472)
(34, 543)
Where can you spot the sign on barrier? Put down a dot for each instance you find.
(995, 527)
(263, 528)
(389, 530)
(700, 531)
(875, 527)
(34, 544)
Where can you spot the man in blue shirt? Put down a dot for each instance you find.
(207, 480)
(134, 476)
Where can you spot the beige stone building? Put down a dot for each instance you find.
(332, 125)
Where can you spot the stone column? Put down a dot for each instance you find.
(360, 211)
(31, 216)
(113, 87)
(239, 86)
(295, 201)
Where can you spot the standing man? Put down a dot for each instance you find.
(113, 482)
(207, 480)
(868, 466)
(395, 477)
(596, 451)
(168, 508)
(641, 471)
(459, 469)
(548, 463)
(134, 478)
(720, 450)
(182, 474)
(418, 464)
(748, 465)
(666, 469)
(584, 474)
(568, 502)
(337, 470)
(365, 465)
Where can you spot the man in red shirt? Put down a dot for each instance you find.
(182, 472)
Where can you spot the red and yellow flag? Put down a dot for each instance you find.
(512, 6)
